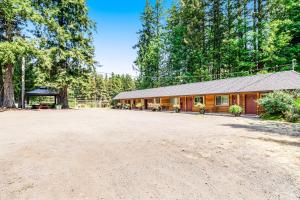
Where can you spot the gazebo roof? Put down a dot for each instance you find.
(42, 91)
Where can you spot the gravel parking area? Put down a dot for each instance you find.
(138, 155)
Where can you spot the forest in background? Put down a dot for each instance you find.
(53, 41)
(199, 40)
(193, 40)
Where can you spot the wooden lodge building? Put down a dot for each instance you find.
(217, 95)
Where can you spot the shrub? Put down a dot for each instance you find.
(176, 108)
(139, 106)
(276, 103)
(293, 115)
(201, 108)
(126, 106)
(297, 102)
(271, 117)
(155, 107)
(119, 105)
(236, 110)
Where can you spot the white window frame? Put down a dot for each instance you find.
(199, 102)
(222, 104)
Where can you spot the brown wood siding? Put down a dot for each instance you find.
(209, 101)
(165, 103)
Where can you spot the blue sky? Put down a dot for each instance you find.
(117, 24)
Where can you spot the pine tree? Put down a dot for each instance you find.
(216, 38)
(229, 47)
(194, 23)
(174, 47)
(102, 89)
(68, 35)
(283, 42)
(14, 17)
(149, 47)
(146, 35)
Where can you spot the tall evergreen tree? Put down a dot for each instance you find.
(174, 47)
(68, 35)
(146, 35)
(14, 17)
(282, 44)
(149, 47)
(216, 38)
(194, 21)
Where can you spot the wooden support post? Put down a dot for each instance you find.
(185, 104)
(238, 100)
(257, 105)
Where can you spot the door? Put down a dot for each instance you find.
(182, 104)
(146, 104)
(250, 101)
(189, 104)
(234, 100)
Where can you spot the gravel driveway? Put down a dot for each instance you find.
(136, 155)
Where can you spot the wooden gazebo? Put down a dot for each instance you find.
(42, 92)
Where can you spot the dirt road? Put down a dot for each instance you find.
(131, 155)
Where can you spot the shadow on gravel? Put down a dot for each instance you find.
(282, 142)
(270, 127)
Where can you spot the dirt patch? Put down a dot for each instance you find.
(112, 154)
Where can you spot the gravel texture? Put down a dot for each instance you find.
(138, 155)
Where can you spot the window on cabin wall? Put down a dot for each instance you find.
(222, 100)
(157, 100)
(174, 101)
(199, 99)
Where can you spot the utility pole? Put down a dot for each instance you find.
(23, 82)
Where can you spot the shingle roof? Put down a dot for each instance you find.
(261, 82)
(42, 91)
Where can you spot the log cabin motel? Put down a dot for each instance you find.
(217, 95)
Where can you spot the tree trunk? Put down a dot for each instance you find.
(260, 63)
(1, 86)
(63, 97)
(254, 29)
(9, 98)
(23, 83)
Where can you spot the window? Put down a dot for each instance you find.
(222, 100)
(174, 101)
(199, 99)
(157, 100)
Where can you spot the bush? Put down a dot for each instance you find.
(271, 117)
(293, 115)
(119, 105)
(176, 108)
(236, 110)
(297, 102)
(155, 107)
(139, 106)
(276, 103)
(126, 106)
(201, 108)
